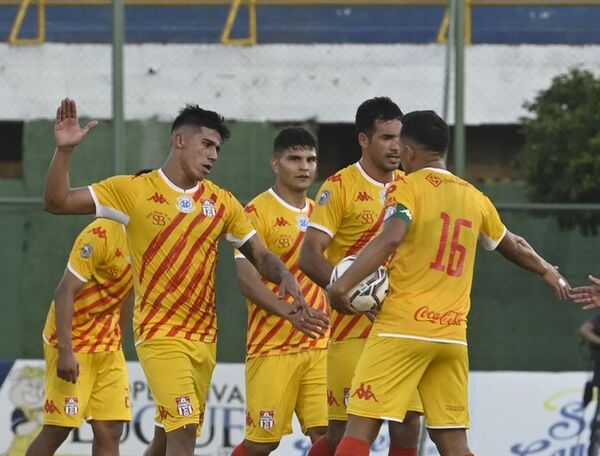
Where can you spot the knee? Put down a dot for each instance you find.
(406, 434)
(107, 432)
(316, 433)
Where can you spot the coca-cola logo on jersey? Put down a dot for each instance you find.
(448, 318)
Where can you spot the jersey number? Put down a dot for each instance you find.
(458, 252)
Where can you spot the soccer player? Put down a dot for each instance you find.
(86, 373)
(348, 213)
(174, 218)
(419, 337)
(289, 362)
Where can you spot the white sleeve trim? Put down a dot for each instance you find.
(488, 243)
(239, 256)
(327, 231)
(76, 274)
(108, 212)
(236, 242)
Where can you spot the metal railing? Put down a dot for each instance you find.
(252, 5)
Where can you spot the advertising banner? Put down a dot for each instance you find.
(512, 413)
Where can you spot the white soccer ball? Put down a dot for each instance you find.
(368, 294)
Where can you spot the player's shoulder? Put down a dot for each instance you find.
(221, 193)
(345, 175)
(263, 202)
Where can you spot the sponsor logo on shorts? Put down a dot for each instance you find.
(164, 413)
(267, 419)
(249, 421)
(448, 318)
(71, 406)
(365, 392)
(331, 400)
(455, 408)
(50, 407)
(184, 406)
(346, 396)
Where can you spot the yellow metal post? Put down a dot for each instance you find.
(18, 24)
(232, 16)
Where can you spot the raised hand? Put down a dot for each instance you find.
(67, 131)
(588, 295)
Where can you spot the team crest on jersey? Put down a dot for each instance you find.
(71, 406)
(86, 251)
(184, 406)
(302, 222)
(324, 198)
(267, 419)
(185, 204)
(383, 195)
(208, 209)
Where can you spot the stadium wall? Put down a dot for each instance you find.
(516, 323)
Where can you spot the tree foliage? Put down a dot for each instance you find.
(560, 160)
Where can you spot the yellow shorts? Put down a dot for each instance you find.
(342, 358)
(278, 385)
(101, 392)
(392, 368)
(178, 373)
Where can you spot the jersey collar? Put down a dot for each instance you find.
(175, 187)
(286, 204)
(438, 170)
(369, 178)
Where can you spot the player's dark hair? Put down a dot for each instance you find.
(427, 129)
(295, 138)
(198, 117)
(378, 109)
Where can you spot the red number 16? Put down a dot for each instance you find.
(458, 252)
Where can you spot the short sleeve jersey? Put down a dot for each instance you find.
(173, 237)
(431, 273)
(100, 258)
(281, 227)
(349, 209)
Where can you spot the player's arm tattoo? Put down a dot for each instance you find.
(266, 263)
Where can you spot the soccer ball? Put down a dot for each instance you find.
(368, 294)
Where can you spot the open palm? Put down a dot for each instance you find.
(67, 131)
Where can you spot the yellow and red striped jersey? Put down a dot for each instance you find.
(100, 258)
(431, 273)
(350, 210)
(281, 227)
(173, 237)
